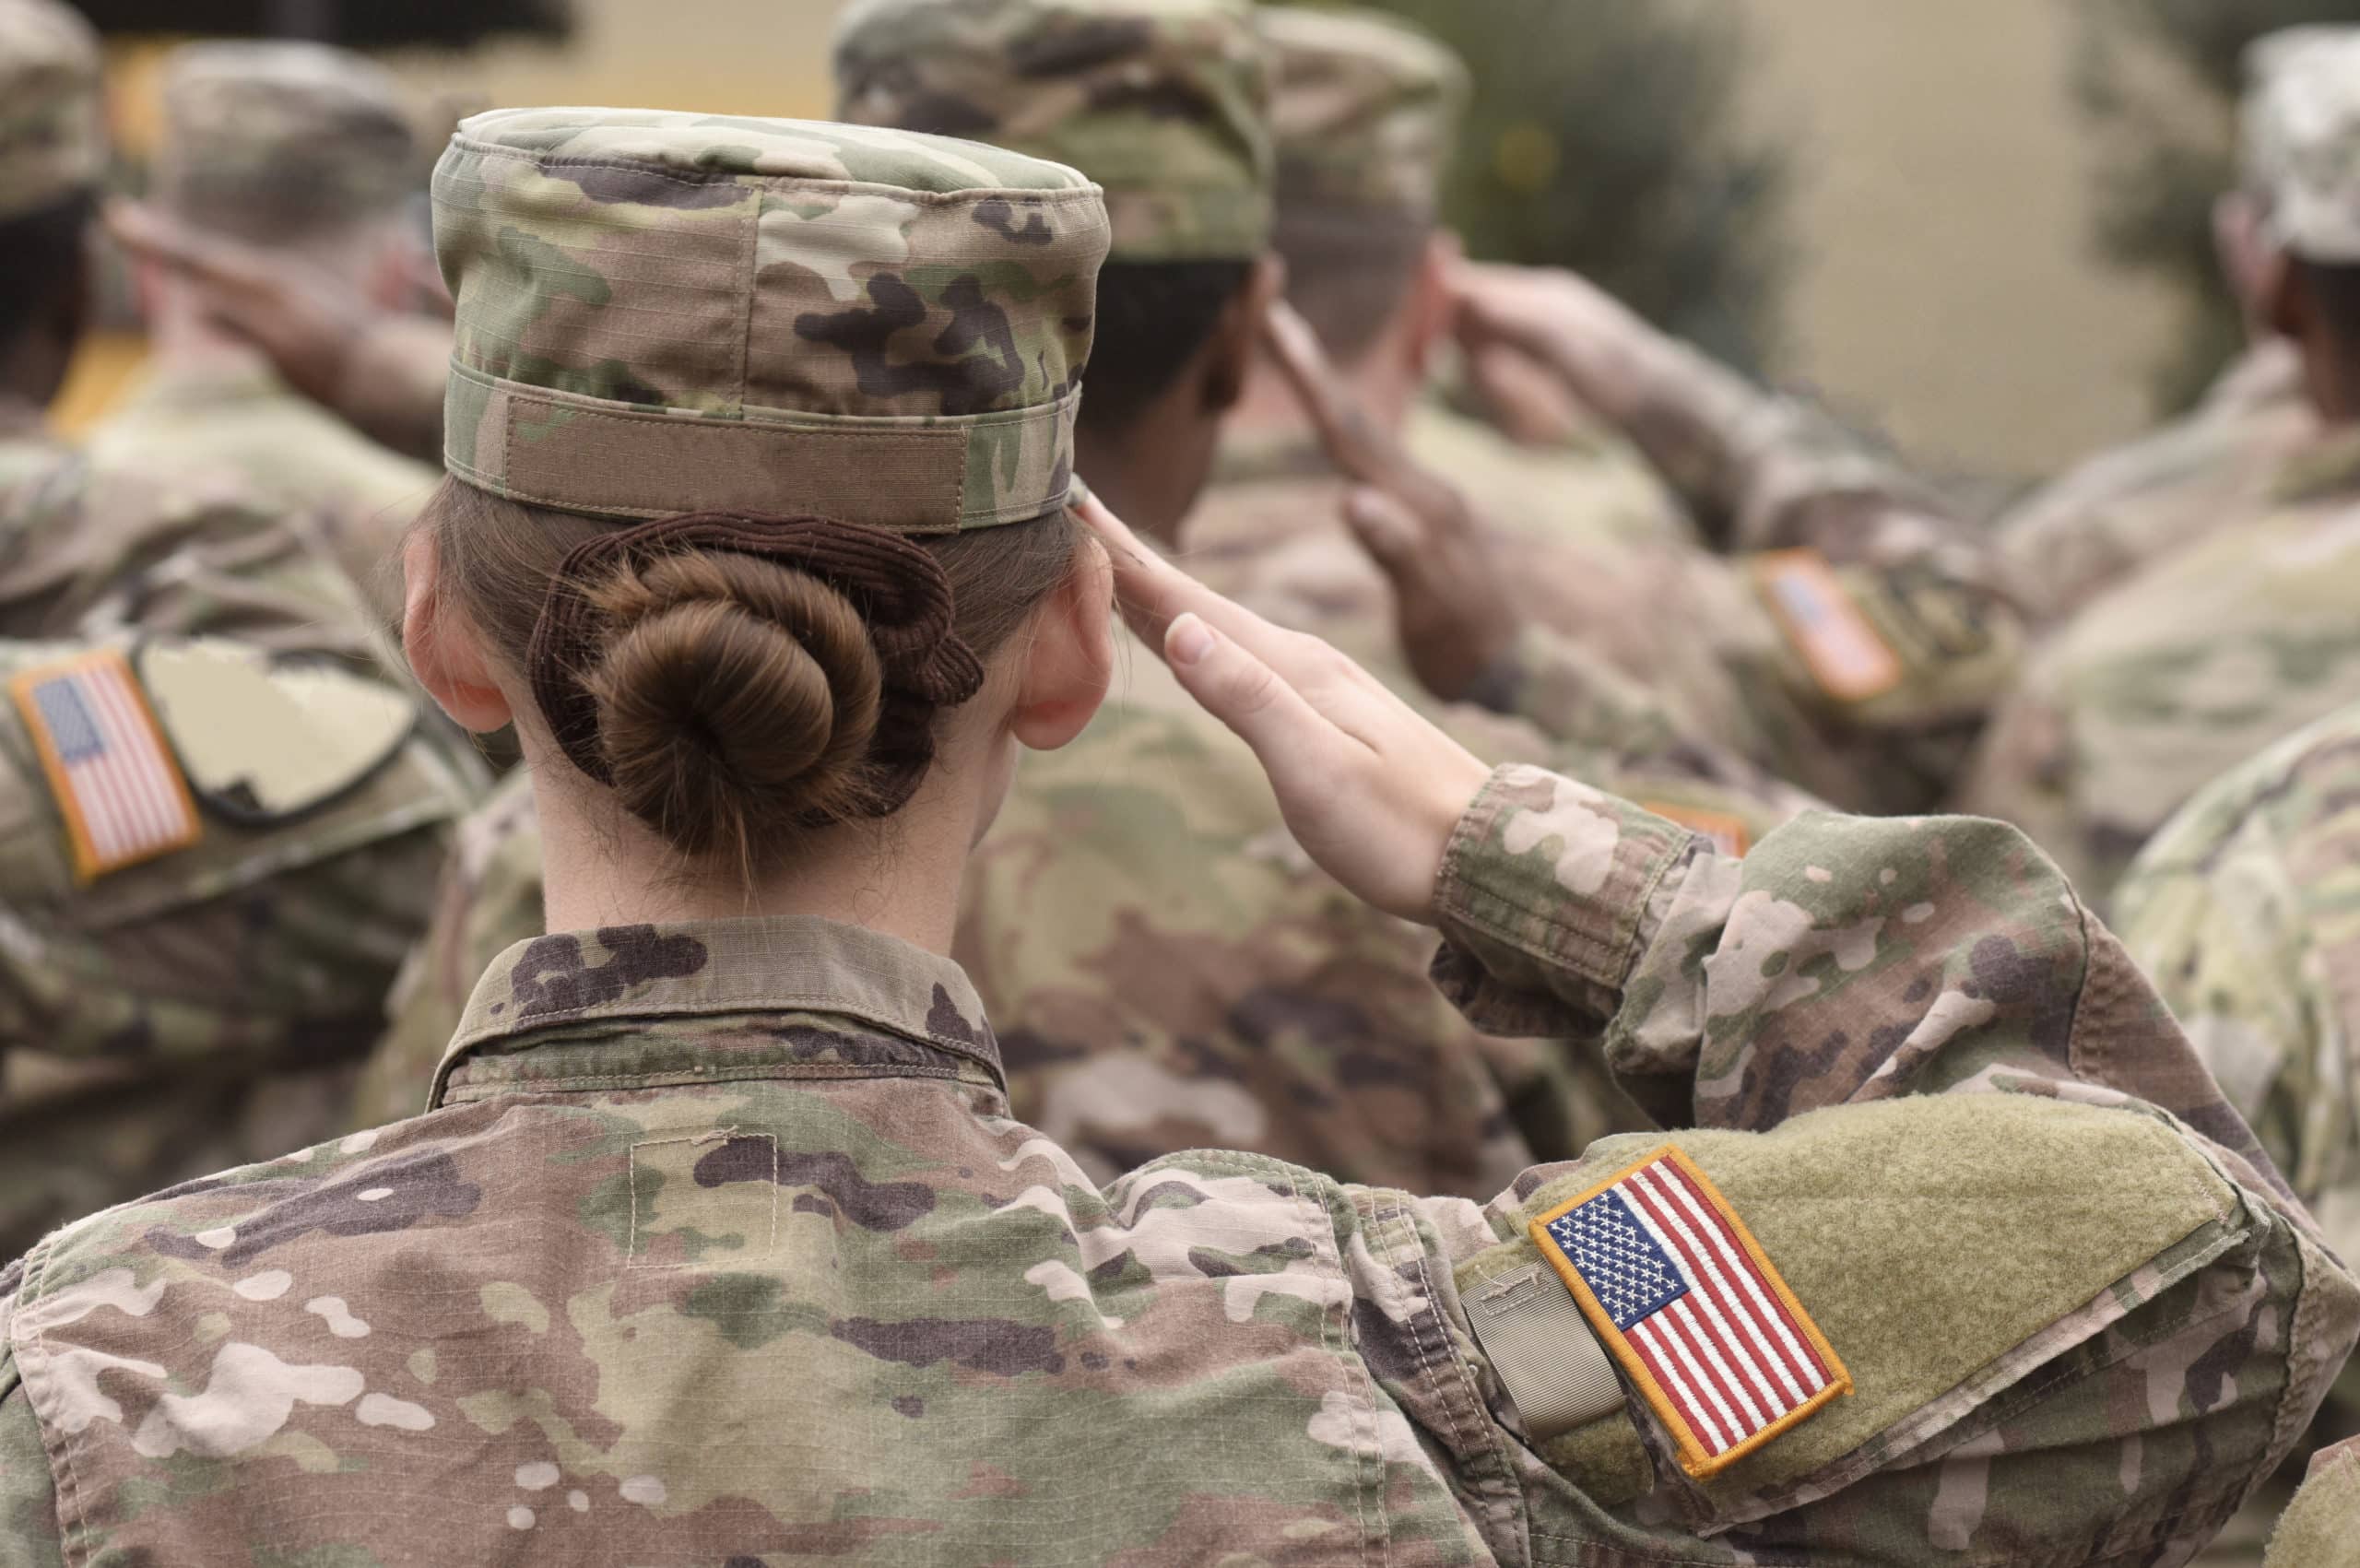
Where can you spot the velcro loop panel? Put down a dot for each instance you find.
(609, 459)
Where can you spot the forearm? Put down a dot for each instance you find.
(1845, 959)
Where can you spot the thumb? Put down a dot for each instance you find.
(1287, 734)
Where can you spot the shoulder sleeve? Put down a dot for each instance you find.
(2318, 1528)
(29, 1528)
(1845, 959)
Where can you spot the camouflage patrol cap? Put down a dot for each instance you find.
(2302, 129)
(53, 132)
(256, 133)
(664, 312)
(1365, 111)
(1163, 102)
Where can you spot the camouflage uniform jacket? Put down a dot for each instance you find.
(1589, 538)
(86, 549)
(166, 1018)
(2180, 673)
(1855, 644)
(2098, 524)
(193, 416)
(2244, 911)
(718, 1227)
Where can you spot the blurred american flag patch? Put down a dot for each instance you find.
(115, 781)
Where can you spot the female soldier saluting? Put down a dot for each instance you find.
(720, 1247)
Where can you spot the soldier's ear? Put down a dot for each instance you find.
(1068, 654)
(446, 651)
(1229, 356)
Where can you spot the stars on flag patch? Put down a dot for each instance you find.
(116, 782)
(1683, 1297)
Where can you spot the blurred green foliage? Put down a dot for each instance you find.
(1605, 136)
(2159, 80)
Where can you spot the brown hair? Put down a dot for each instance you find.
(740, 701)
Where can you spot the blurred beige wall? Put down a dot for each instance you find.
(730, 56)
(1948, 284)
(1947, 287)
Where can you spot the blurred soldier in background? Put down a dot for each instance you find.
(1674, 645)
(2210, 654)
(2104, 519)
(214, 859)
(307, 151)
(1166, 969)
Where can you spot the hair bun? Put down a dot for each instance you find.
(737, 699)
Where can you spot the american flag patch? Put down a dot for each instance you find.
(1683, 1296)
(1846, 657)
(116, 782)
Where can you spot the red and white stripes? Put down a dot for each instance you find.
(1727, 1355)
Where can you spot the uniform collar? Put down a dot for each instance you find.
(546, 1014)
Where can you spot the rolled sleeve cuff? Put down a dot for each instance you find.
(1550, 890)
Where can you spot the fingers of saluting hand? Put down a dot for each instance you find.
(1152, 592)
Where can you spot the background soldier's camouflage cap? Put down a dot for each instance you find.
(262, 138)
(1365, 111)
(2302, 130)
(53, 132)
(1163, 102)
(664, 312)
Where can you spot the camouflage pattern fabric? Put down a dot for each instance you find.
(1364, 110)
(1163, 102)
(1854, 646)
(819, 1295)
(1587, 538)
(2180, 673)
(2242, 910)
(262, 138)
(826, 317)
(2213, 469)
(190, 417)
(87, 549)
(53, 130)
(488, 900)
(208, 1003)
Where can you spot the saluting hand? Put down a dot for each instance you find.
(1367, 786)
(1454, 613)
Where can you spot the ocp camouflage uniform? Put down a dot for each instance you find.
(252, 130)
(160, 1019)
(1365, 112)
(2242, 909)
(723, 1246)
(1166, 965)
(2214, 466)
(2116, 513)
(1669, 662)
(2180, 673)
(82, 546)
(825, 1297)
